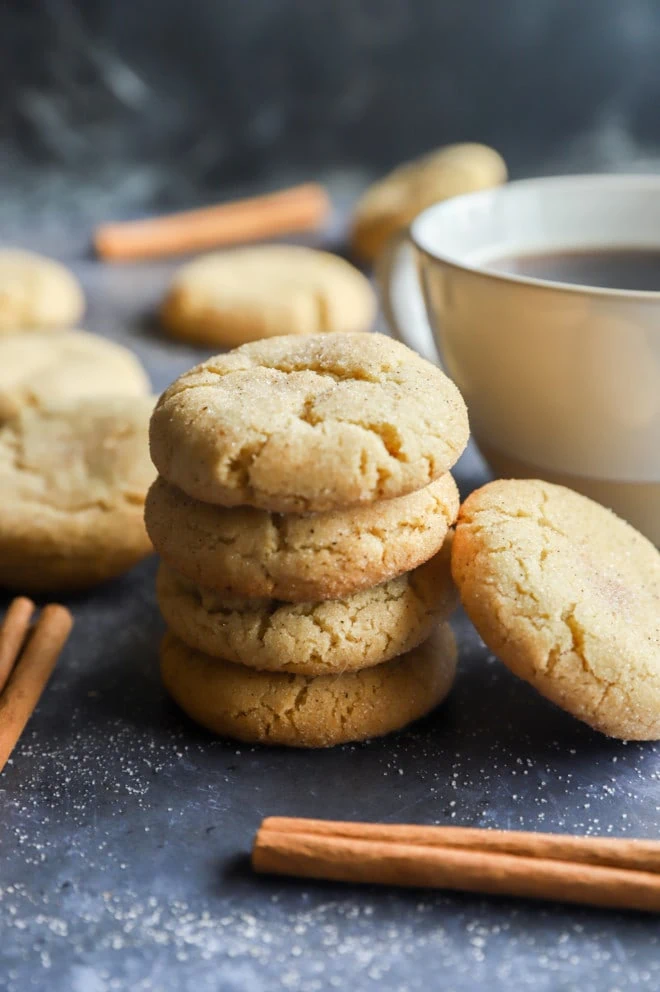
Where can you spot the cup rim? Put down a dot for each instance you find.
(613, 180)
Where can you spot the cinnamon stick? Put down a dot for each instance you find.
(351, 859)
(615, 852)
(299, 208)
(31, 674)
(12, 634)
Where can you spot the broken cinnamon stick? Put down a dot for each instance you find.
(30, 675)
(12, 635)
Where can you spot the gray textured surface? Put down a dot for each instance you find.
(116, 108)
(125, 829)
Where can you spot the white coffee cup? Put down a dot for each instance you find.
(562, 381)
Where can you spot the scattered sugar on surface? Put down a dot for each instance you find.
(376, 941)
(119, 843)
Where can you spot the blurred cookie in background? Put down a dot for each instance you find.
(394, 201)
(41, 368)
(37, 292)
(229, 298)
(74, 479)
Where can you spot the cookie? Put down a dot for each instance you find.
(393, 202)
(305, 711)
(312, 423)
(228, 298)
(241, 551)
(41, 368)
(568, 596)
(338, 635)
(73, 480)
(37, 292)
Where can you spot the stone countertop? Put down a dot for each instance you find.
(125, 828)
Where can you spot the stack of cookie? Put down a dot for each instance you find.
(302, 515)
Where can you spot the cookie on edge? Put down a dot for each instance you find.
(242, 551)
(74, 479)
(41, 369)
(231, 297)
(37, 292)
(304, 711)
(393, 202)
(312, 423)
(338, 635)
(568, 596)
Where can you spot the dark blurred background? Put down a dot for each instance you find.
(116, 107)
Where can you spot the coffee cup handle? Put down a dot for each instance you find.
(402, 299)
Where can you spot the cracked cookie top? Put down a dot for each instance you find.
(314, 423)
(228, 298)
(568, 596)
